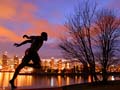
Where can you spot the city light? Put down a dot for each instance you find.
(52, 65)
(0, 67)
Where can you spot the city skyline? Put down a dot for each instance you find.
(60, 64)
(32, 17)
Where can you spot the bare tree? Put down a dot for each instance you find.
(108, 33)
(79, 44)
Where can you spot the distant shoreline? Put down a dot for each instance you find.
(69, 74)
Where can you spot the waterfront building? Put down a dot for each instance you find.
(59, 64)
(16, 61)
(4, 60)
(52, 63)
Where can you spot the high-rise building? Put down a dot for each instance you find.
(4, 60)
(59, 63)
(67, 65)
(16, 61)
(52, 63)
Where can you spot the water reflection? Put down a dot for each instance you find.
(67, 80)
(42, 81)
(4, 77)
(52, 82)
(59, 81)
(112, 78)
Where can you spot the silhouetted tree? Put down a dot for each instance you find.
(78, 45)
(108, 32)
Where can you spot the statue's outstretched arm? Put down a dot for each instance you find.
(22, 43)
(29, 37)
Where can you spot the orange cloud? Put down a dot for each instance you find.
(6, 35)
(26, 11)
(53, 30)
(16, 10)
(7, 9)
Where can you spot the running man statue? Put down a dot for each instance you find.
(30, 53)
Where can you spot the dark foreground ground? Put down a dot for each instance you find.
(111, 85)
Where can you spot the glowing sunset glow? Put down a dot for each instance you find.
(7, 35)
(19, 17)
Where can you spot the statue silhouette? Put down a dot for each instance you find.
(30, 54)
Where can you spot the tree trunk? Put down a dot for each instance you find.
(85, 72)
(93, 73)
(104, 75)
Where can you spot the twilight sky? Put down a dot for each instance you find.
(19, 17)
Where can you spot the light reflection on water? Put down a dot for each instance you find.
(42, 81)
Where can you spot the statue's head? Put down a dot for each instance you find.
(44, 36)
